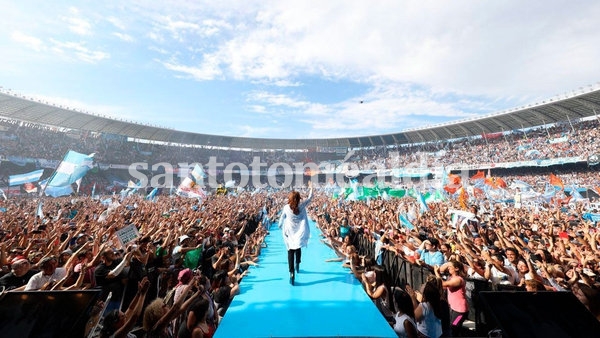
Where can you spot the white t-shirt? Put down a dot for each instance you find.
(399, 324)
(430, 325)
(39, 279)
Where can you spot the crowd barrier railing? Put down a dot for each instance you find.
(401, 272)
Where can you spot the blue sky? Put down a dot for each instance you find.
(297, 69)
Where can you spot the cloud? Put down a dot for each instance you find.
(206, 71)
(79, 51)
(28, 41)
(118, 23)
(123, 37)
(77, 24)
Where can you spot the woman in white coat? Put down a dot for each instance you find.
(294, 226)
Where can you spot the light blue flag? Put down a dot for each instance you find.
(19, 179)
(73, 167)
(405, 222)
(575, 193)
(549, 192)
(422, 205)
(58, 191)
(198, 173)
(152, 194)
(521, 185)
(588, 216)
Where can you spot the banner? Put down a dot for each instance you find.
(127, 234)
(19, 179)
(73, 167)
(558, 140)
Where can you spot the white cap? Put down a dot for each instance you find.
(183, 238)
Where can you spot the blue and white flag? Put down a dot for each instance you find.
(198, 173)
(73, 167)
(152, 194)
(575, 193)
(19, 179)
(58, 191)
(588, 216)
(405, 222)
(422, 204)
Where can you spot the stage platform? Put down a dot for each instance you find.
(326, 300)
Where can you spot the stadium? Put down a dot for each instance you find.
(217, 169)
(478, 163)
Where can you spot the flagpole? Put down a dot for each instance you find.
(572, 129)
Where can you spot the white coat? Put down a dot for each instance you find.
(295, 228)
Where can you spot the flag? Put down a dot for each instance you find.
(397, 193)
(191, 186)
(422, 205)
(556, 182)
(73, 167)
(19, 179)
(3, 194)
(459, 218)
(58, 191)
(549, 193)
(78, 184)
(198, 173)
(575, 193)
(463, 198)
(454, 179)
(520, 184)
(480, 175)
(152, 194)
(452, 188)
(29, 187)
(592, 217)
(405, 222)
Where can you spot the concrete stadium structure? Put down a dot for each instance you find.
(568, 108)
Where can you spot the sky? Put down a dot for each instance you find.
(298, 69)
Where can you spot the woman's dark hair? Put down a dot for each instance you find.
(458, 265)
(432, 295)
(403, 302)
(294, 201)
(109, 322)
(199, 307)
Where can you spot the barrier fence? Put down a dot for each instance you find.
(401, 272)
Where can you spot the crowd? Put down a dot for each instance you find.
(551, 249)
(188, 255)
(192, 256)
(558, 141)
(179, 275)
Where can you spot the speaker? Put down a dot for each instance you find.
(46, 313)
(543, 314)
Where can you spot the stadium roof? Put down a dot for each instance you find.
(573, 107)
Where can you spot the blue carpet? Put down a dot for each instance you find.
(326, 301)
